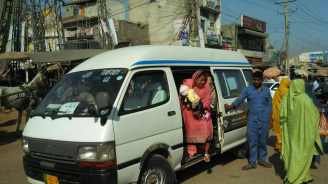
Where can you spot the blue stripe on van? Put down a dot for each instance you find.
(187, 62)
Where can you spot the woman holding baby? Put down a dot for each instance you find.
(198, 123)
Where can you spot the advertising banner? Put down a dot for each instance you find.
(178, 23)
(212, 4)
(252, 23)
(211, 36)
(317, 56)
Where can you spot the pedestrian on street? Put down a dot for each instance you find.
(259, 120)
(324, 88)
(316, 84)
(198, 131)
(278, 95)
(299, 118)
(322, 109)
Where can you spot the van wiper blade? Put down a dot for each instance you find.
(61, 116)
(38, 114)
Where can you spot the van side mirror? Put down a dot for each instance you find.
(92, 110)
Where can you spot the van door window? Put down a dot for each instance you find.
(249, 77)
(145, 90)
(231, 82)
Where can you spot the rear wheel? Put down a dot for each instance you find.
(241, 152)
(157, 170)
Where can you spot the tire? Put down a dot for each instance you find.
(240, 152)
(156, 170)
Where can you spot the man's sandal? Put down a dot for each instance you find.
(248, 167)
(207, 158)
(265, 164)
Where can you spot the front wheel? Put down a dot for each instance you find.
(157, 170)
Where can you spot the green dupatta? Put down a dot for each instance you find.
(299, 119)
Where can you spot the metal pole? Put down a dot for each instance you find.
(32, 21)
(287, 40)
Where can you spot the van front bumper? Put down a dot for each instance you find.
(68, 173)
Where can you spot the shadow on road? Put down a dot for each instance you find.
(278, 165)
(271, 141)
(9, 123)
(8, 137)
(201, 167)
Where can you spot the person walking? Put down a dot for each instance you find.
(299, 118)
(322, 109)
(197, 130)
(324, 89)
(259, 120)
(316, 84)
(278, 95)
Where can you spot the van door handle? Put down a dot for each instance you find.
(171, 113)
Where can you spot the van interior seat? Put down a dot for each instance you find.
(154, 94)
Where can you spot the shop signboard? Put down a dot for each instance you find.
(252, 23)
(226, 43)
(116, 25)
(317, 56)
(274, 56)
(178, 24)
(211, 36)
(212, 4)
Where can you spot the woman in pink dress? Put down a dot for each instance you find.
(198, 130)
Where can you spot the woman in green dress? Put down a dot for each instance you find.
(299, 118)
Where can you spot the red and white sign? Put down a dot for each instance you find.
(251, 23)
(116, 25)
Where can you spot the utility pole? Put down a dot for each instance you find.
(287, 34)
(190, 21)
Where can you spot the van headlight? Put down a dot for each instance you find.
(25, 146)
(102, 155)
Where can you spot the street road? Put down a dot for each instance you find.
(222, 168)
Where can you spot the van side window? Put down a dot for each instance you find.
(146, 90)
(231, 82)
(249, 77)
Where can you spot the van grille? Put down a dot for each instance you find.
(51, 157)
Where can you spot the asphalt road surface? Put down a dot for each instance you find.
(222, 168)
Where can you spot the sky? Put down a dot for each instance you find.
(308, 26)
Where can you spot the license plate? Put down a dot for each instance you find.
(49, 179)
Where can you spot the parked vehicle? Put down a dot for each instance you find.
(128, 127)
(273, 86)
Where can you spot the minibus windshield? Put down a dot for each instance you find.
(72, 95)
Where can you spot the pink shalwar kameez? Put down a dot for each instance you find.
(198, 131)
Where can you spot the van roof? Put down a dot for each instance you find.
(155, 55)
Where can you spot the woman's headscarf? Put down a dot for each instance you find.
(279, 94)
(196, 74)
(300, 141)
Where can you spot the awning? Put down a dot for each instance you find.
(14, 56)
(63, 56)
(323, 72)
(251, 32)
(306, 73)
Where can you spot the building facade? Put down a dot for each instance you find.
(248, 38)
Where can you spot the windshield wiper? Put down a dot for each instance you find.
(38, 114)
(60, 116)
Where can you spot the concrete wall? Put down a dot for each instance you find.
(160, 19)
(117, 9)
